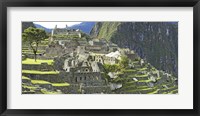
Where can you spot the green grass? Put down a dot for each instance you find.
(138, 76)
(154, 92)
(174, 91)
(145, 89)
(28, 91)
(132, 90)
(146, 81)
(142, 87)
(40, 82)
(128, 70)
(169, 88)
(25, 78)
(29, 87)
(49, 92)
(130, 82)
(135, 62)
(38, 61)
(31, 51)
(60, 84)
(142, 69)
(25, 49)
(39, 72)
(108, 32)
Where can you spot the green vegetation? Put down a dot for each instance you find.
(28, 51)
(42, 45)
(145, 81)
(32, 61)
(33, 36)
(60, 84)
(174, 91)
(39, 72)
(128, 71)
(144, 75)
(44, 91)
(39, 82)
(107, 29)
(111, 68)
(142, 69)
(117, 80)
(25, 78)
(124, 62)
(29, 87)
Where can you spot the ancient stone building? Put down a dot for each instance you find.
(65, 32)
(112, 47)
(87, 72)
(110, 60)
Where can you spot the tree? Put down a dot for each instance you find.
(124, 62)
(111, 68)
(33, 37)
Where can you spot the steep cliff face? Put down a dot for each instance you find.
(157, 42)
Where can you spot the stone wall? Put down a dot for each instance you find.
(96, 89)
(110, 60)
(66, 76)
(41, 67)
(88, 79)
(54, 78)
(72, 89)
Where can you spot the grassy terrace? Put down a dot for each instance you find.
(144, 81)
(26, 48)
(128, 71)
(140, 90)
(143, 89)
(25, 78)
(39, 72)
(30, 51)
(154, 92)
(44, 91)
(141, 76)
(40, 82)
(31, 91)
(29, 87)
(38, 61)
(60, 84)
(169, 89)
(142, 69)
(174, 91)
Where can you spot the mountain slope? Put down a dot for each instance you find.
(84, 26)
(42, 27)
(157, 42)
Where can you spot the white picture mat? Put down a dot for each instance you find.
(182, 100)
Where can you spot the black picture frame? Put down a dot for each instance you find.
(99, 3)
